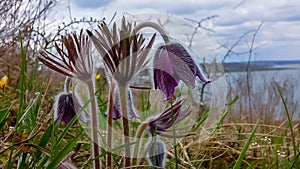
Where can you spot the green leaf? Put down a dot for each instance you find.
(114, 149)
(22, 79)
(245, 148)
(3, 117)
(29, 117)
(227, 111)
(60, 156)
(22, 99)
(22, 162)
(252, 165)
(46, 136)
(289, 120)
(43, 162)
(202, 120)
(295, 162)
(44, 141)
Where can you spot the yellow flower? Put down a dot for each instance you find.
(4, 82)
(98, 76)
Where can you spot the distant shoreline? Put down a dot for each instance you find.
(261, 65)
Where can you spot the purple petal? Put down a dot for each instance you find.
(178, 50)
(202, 78)
(65, 110)
(132, 113)
(165, 82)
(157, 153)
(162, 60)
(117, 113)
(171, 64)
(170, 117)
(181, 70)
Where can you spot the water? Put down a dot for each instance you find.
(264, 95)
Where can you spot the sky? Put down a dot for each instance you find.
(277, 39)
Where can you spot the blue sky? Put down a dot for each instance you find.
(278, 39)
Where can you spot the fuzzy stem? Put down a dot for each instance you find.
(146, 151)
(124, 108)
(174, 135)
(155, 26)
(138, 136)
(109, 122)
(94, 125)
(67, 84)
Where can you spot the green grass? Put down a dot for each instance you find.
(37, 141)
(22, 97)
(239, 160)
(290, 122)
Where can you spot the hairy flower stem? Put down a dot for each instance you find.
(94, 125)
(109, 122)
(67, 84)
(138, 136)
(155, 26)
(174, 135)
(124, 108)
(145, 153)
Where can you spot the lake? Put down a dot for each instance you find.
(264, 95)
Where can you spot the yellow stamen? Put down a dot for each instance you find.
(98, 76)
(3, 82)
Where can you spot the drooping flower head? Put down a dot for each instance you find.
(165, 125)
(173, 63)
(74, 57)
(66, 107)
(161, 124)
(157, 153)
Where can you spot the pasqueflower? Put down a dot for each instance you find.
(157, 153)
(173, 63)
(66, 107)
(161, 124)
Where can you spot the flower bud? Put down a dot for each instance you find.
(157, 153)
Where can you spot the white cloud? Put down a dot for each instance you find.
(281, 18)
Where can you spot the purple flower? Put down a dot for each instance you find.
(171, 64)
(157, 153)
(173, 115)
(117, 113)
(66, 107)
